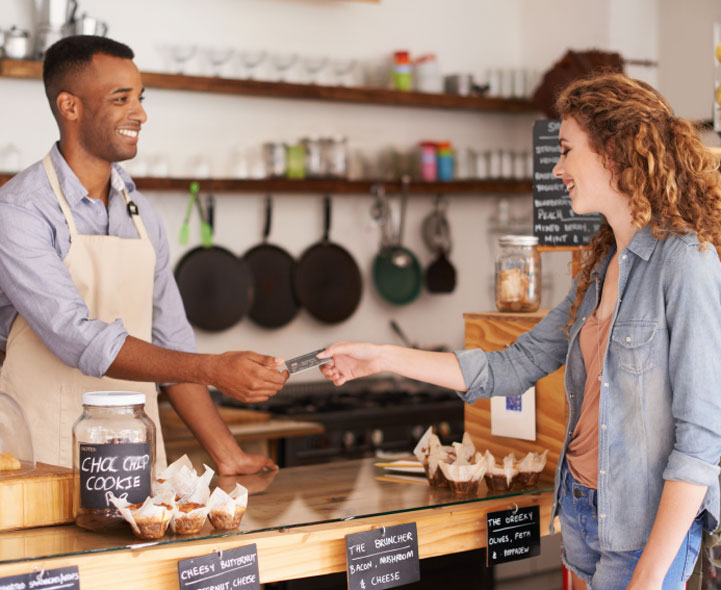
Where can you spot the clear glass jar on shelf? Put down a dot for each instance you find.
(113, 452)
(518, 274)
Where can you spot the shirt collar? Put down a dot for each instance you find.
(643, 243)
(72, 187)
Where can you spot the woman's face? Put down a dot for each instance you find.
(588, 182)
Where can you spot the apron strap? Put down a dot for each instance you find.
(55, 184)
(135, 215)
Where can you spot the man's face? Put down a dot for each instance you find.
(111, 93)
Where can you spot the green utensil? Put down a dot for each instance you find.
(206, 231)
(185, 228)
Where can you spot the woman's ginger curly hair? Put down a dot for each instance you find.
(657, 159)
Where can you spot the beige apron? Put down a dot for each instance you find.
(115, 277)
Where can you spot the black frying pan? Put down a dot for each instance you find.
(327, 279)
(216, 286)
(275, 303)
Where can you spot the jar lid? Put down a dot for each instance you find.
(518, 241)
(113, 398)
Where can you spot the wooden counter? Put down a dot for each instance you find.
(298, 518)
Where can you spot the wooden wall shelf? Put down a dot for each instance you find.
(333, 186)
(26, 69)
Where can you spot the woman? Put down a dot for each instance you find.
(639, 333)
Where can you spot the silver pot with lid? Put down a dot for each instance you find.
(17, 43)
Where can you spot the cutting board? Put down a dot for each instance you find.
(41, 497)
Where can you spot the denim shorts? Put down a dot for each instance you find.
(610, 570)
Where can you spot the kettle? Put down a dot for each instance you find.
(17, 43)
(56, 14)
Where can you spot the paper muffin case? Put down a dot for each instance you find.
(530, 468)
(193, 506)
(227, 509)
(150, 519)
(171, 470)
(464, 477)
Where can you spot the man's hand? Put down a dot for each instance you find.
(247, 376)
(245, 464)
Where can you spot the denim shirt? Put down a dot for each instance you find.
(660, 402)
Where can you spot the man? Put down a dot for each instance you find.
(87, 297)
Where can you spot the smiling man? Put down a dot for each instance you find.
(87, 296)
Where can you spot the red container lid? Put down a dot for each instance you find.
(443, 145)
(401, 56)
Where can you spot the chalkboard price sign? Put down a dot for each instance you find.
(67, 578)
(123, 469)
(513, 534)
(232, 569)
(383, 558)
(554, 222)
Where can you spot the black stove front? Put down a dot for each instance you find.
(363, 418)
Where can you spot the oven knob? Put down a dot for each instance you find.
(444, 429)
(377, 437)
(417, 432)
(348, 439)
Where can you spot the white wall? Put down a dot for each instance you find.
(467, 35)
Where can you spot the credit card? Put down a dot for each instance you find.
(305, 362)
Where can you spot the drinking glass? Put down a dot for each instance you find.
(251, 59)
(313, 64)
(342, 68)
(217, 56)
(181, 54)
(282, 62)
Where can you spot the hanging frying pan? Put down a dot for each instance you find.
(440, 274)
(397, 273)
(327, 279)
(275, 303)
(215, 285)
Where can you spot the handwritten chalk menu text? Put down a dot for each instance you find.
(67, 578)
(513, 534)
(234, 568)
(554, 222)
(383, 558)
(123, 469)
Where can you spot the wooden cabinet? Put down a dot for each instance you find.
(495, 331)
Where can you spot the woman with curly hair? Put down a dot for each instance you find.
(639, 333)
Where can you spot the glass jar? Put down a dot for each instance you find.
(335, 156)
(444, 161)
(313, 157)
(113, 452)
(518, 274)
(274, 157)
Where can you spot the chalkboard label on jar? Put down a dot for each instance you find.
(554, 222)
(123, 469)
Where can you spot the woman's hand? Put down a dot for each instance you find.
(350, 361)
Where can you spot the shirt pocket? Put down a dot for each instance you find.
(634, 344)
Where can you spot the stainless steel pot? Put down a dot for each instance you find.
(89, 25)
(17, 44)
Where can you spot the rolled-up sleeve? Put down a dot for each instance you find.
(693, 315)
(39, 286)
(532, 356)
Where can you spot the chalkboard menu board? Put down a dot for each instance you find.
(383, 558)
(67, 578)
(233, 568)
(123, 469)
(513, 534)
(554, 222)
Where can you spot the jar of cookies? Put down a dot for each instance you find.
(518, 274)
(113, 454)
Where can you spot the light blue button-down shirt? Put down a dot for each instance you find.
(660, 402)
(34, 240)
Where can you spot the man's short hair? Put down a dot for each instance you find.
(70, 54)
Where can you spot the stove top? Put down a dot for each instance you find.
(361, 396)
